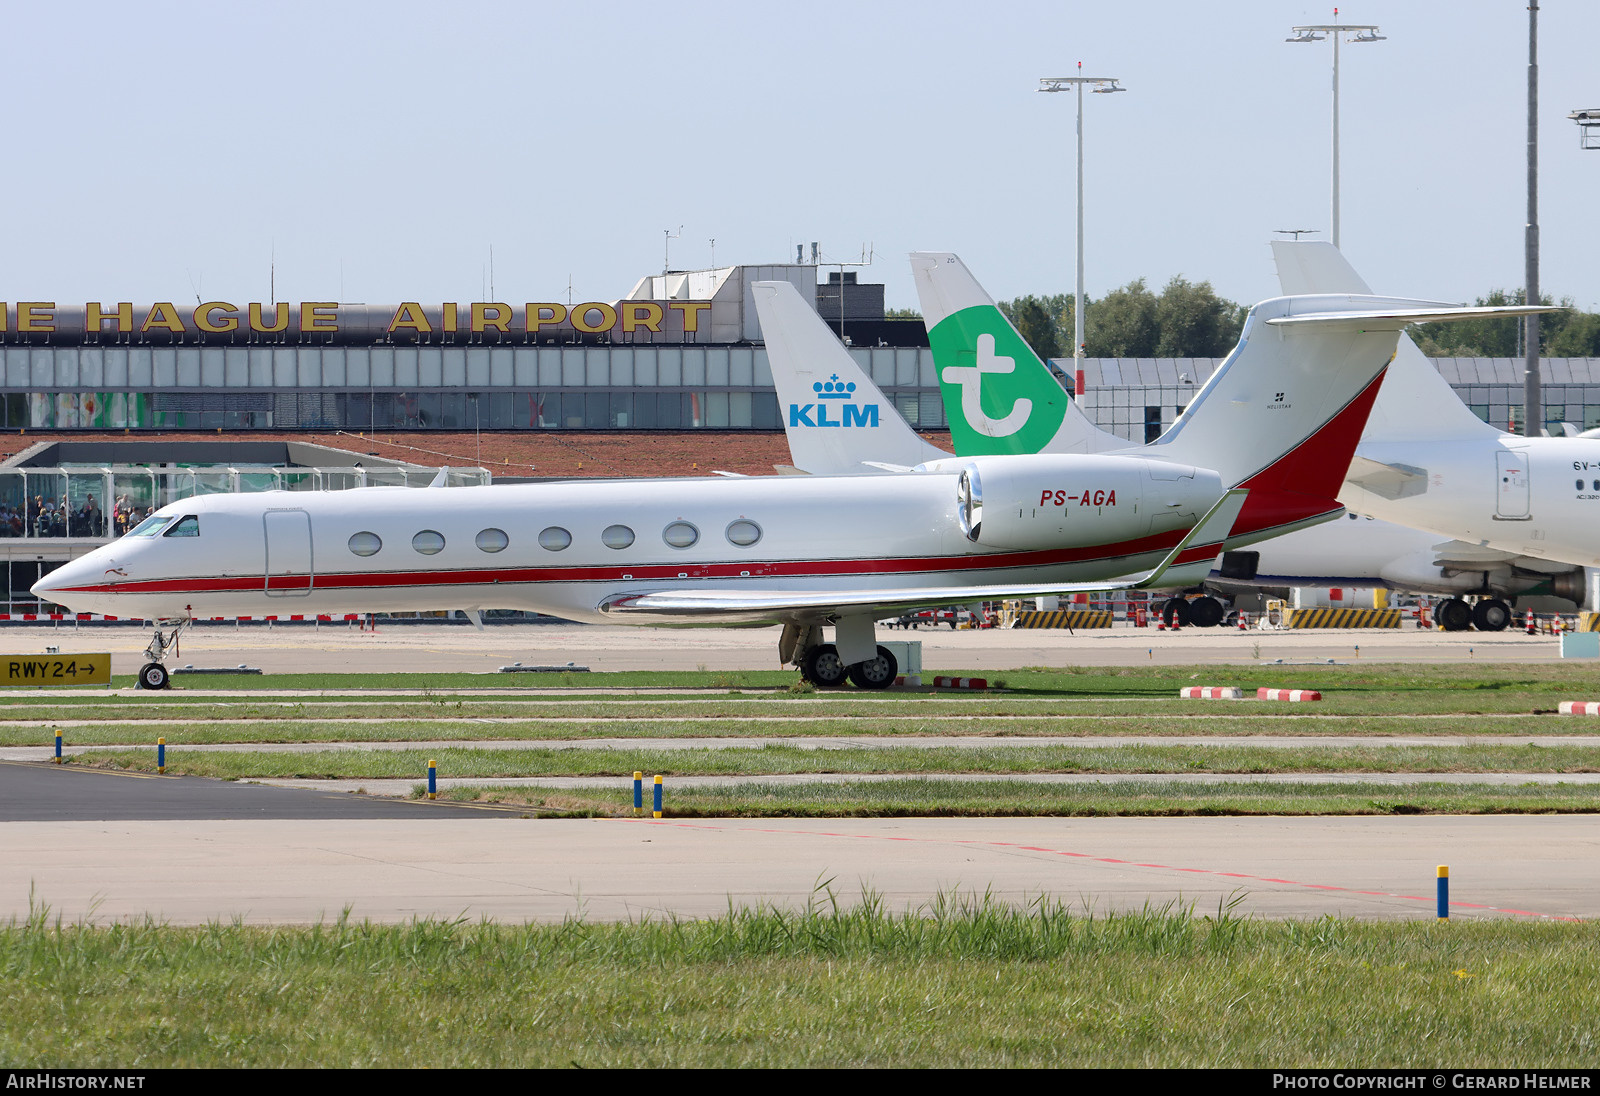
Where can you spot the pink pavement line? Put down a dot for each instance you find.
(1423, 898)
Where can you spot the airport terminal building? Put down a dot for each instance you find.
(681, 352)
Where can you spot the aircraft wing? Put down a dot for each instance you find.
(1204, 540)
(1461, 553)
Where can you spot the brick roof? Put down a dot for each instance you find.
(515, 453)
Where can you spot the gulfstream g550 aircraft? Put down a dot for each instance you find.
(1424, 462)
(1249, 459)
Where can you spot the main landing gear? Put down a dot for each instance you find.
(153, 674)
(1488, 615)
(828, 665)
(1200, 612)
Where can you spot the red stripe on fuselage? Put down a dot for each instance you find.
(1160, 542)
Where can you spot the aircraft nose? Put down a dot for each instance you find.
(74, 573)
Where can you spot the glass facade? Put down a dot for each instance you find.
(614, 387)
(422, 387)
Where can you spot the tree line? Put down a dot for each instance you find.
(1188, 320)
(1185, 320)
(1569, 334)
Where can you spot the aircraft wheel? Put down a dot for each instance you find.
(1491, 616)
(823, 668)
(1453, 615)
(1206, 612)
(875, 673)
(153, 675)
(1176, 609)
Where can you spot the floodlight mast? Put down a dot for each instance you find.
(1100, 85)
(1361, 32)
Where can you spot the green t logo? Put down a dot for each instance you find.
(999, 396)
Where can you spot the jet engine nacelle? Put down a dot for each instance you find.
(1064, 500)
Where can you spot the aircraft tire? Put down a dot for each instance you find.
(1491, 616)
(1453, 615)
(875, 673)
(1206, 612)
(823, 668)
(1176, 608)
(153, 675)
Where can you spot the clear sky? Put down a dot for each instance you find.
(166, 151)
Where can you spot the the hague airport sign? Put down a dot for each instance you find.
(323, 318)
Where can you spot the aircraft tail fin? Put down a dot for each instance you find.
(998, 396)
(835, 418)
(1415, 403)
(1283, 414)
(1314, 266)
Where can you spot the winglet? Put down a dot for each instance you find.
(1210, 530)
(441, 479)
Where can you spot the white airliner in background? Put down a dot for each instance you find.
(803, 551)
(1000, 398)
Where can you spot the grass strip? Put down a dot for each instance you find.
(933, 798)
(775, 759)
(962, 981)
(234, 730)
(1383, 682)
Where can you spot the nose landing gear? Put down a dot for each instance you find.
(154, 674)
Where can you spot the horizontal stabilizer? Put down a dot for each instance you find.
(1395, 318)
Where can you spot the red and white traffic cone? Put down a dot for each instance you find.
(1533, 629)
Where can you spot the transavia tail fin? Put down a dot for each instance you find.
(835, 418)
(998, 396)
(1283, 414)
(1415, 402)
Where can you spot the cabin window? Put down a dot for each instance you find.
(365, 544)
(616, 536)
(428, 542)
(554, 538)
(492, 540)
(186, 527)
(744, 533)
(149, 527)
(680, 534)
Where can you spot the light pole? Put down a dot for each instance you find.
(1363, 32)
(1100, 85)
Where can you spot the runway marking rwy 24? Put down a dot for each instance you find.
(1426, 899)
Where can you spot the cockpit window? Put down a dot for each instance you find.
(186, 527)
(150, 526)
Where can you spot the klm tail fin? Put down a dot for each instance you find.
(998, 396)
(1415, 403)
(837, 421)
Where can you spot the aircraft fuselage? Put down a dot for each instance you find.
(569, 549)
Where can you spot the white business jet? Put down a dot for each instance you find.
(1526, 507)
(802, 551)
(1001, 399)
